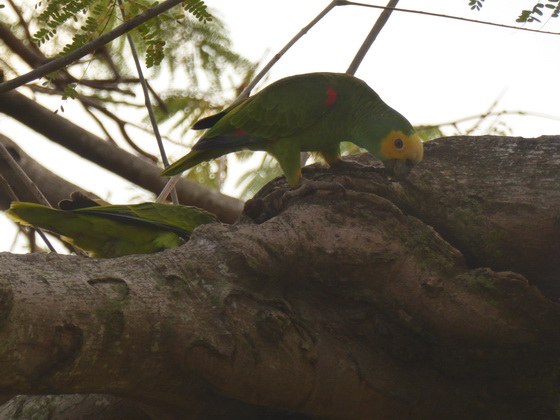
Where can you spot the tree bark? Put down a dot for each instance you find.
(383, 301)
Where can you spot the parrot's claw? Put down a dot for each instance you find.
(308, 187)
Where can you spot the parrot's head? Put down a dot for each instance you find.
(388, 136)
(399, 152)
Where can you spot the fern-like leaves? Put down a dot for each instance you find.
(198, 9)
(93, 17)
(56, 13)
(475, 4)
(534, 15)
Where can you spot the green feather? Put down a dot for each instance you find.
(309, 112)
(115, 230)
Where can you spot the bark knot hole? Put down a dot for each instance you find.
(111, 287)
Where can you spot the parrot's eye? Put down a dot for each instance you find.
(399, 144)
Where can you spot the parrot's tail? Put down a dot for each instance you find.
(208, 121)
(192, 159)
(31, 214)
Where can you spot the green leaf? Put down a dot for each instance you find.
(475, 4)
(198, 9)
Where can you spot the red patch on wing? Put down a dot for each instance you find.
(331, 96)
(238, 133)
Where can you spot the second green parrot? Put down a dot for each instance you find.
(308, 112)
(114, 230)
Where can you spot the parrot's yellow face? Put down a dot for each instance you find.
(400, 152)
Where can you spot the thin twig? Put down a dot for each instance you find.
(482, 22)
(169, 187)
(10, 161)
(491, 114)
(246, 92)
(377, 27)
(487, 113)
(95, 118)
(92, 102)
(148, 102)
(25, 27)
(75, 55)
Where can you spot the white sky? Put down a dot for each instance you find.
(432, 70)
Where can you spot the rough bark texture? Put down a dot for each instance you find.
(434, 298)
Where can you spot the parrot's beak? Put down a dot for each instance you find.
(398, 168)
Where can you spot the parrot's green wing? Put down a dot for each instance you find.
(281, 109)
(180, 219)
(113, 231)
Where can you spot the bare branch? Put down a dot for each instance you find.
(31, 56)
(377, 27)
(497, 114)
(247, 91)
(94, 103)
(25, 26)
(420, 12)
(148, 104)
(137, 170)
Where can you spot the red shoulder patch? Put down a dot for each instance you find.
(238, 133)
(331, 96)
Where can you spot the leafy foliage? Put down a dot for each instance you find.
(58, 12)
(475, 4)
(198, 9)
(429, 133)
(70, 91)
(93, 17)
(528, 16)
(186, 43)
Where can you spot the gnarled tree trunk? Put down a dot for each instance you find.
(431, 298)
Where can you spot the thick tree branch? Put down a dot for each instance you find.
(495, 199)
(135, 169)
(30, 55)
(335, 306)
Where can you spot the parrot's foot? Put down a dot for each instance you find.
(309, 187)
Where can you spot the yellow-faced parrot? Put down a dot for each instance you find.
(308, 112)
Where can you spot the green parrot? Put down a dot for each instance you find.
(114, 230)
(306, 113)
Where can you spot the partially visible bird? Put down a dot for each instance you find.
(308, 112)
(114, 230)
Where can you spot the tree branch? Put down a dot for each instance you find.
(31, 56)
(377, 27)
(440, 15)
(334, 306)
(247, 90)
(122, 163)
